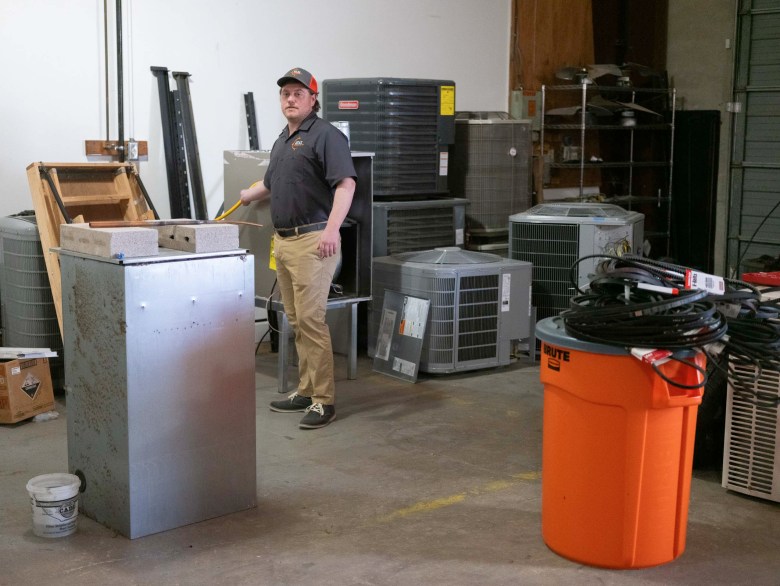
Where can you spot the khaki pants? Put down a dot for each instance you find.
(304, 281)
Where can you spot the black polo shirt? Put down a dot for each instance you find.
(304, 170)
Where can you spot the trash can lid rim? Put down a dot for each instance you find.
(553, 331)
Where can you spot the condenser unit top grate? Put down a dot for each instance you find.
(578, 213)
(448, 255)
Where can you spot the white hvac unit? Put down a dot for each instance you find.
(751, 455)
(480, 303)
(552, 236)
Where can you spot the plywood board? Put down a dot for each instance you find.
(549, 35)
(84, 192)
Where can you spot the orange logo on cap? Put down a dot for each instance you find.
(295, 72)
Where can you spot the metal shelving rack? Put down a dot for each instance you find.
(585, 126)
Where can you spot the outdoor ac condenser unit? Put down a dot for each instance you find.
(409, 125)
(751, 455)
(480, 303)
(29, 317)
(552, 236)
(491, 168)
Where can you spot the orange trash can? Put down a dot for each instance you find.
(617, 452)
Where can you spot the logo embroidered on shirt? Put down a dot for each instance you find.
(298, 142)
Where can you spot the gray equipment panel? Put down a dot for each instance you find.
(161, 387)
(400, 335)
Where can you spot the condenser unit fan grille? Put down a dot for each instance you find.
(439, 346)
(402, 123)
(31, 320)
(28, 313)
(491, 168)
(478, 318)
(752, 446)
(552, 249)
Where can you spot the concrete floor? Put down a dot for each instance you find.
(437, 482)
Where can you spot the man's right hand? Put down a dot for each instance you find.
(257, 191)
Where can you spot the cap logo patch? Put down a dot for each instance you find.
(295, 72)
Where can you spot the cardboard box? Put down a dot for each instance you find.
(25, 389)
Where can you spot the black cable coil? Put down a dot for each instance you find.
(634, 302)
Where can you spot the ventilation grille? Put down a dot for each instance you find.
(478, 318)
(751, 453)
(484, 171)
(438, 348)
(29, 316)
(419, 229)
(27, 295)
(400, 122)
(552, 249)
(404, 139)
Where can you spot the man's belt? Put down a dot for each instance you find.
(298, 230)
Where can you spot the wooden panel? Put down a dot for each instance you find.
(48, 218)
(549, 35)
(78, 200)
(631, 32)
(88, 192)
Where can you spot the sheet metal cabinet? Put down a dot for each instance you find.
(160, 380)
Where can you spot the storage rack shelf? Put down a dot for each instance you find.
(635, 170)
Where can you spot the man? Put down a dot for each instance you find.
(311, 181)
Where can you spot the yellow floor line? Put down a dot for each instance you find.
(428, 506)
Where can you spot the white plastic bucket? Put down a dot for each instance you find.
(55, 504)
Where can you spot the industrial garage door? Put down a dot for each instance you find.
(754, 218)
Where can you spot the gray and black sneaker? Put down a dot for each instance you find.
(292, 404)
(317, 415)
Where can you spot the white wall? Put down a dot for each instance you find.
(53, 81)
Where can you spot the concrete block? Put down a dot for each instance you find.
(109, 242)
(199, 237)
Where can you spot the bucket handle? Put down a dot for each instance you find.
(686, 389)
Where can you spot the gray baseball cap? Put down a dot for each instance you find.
(301, 76)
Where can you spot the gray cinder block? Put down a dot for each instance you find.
(109, 242)
(199, 237)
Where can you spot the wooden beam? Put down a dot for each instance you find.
(108, 148)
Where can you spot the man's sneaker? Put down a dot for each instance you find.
(292, 404)
(318, 415)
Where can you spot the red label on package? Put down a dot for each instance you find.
(704, 282)
(349, 104)
(651, 355)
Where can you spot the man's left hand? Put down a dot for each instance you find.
(329, 242)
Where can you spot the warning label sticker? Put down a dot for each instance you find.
(448, 100)
(31, 385)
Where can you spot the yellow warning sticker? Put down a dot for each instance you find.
(271, 257)
(448, 100)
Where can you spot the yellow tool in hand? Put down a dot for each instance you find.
(230, 211)
(235, 206)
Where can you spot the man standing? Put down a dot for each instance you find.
(311, 181)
